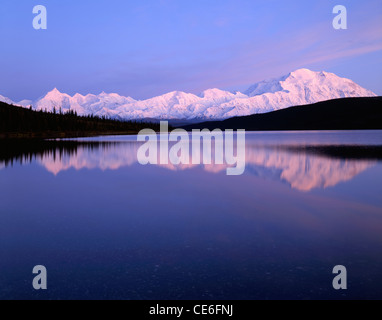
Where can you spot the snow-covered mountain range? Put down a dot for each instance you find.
(300, 87)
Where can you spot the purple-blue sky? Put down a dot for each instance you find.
(146, 48)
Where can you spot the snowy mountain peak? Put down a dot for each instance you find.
(267, 86)
(6, 100)
(176, 94)
(22, 103)
(25, 103)
(79, 96)
(55, 91)
(55, 94)
(308, 86)
(303, 73)
(216, 94)
(299, 87)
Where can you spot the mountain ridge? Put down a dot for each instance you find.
(300, 87)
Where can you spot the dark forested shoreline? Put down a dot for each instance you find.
(340, 114)
(337, 114)
(18, 122)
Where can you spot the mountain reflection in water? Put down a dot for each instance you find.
(304, 166)
(107, 227)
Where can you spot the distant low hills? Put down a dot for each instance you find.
(337, 114)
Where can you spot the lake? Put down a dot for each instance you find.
(107, 227)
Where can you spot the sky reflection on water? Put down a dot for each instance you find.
(107, 227)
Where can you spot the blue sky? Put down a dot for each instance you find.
(144, 48)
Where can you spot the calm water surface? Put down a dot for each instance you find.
(107, 227)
